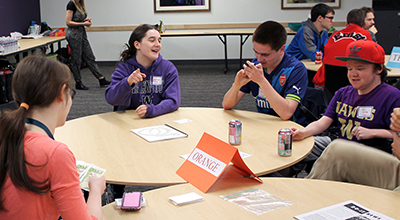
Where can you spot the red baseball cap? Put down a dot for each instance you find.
(364, 50)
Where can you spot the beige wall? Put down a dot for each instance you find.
(108, 45)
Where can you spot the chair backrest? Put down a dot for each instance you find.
(6, 75)
(335, 78)
(12, 105)
(397, 84)
(313, 104)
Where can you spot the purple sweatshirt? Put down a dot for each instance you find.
(160, 89)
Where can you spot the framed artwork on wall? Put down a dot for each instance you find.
(308, 4)
(181, 5)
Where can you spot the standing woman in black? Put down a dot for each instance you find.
(76, 21)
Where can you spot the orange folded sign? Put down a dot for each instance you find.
(209, 160)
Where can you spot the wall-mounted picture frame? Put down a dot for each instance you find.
(307, 4)
(181, 5)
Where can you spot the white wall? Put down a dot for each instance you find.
(108, 45)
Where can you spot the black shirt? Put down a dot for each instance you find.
(71, 6)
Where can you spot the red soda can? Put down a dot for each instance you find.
(318, 57)
(285, 142)
(235, 132)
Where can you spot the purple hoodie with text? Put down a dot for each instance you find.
(160, 89)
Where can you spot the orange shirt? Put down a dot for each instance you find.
(65, 197)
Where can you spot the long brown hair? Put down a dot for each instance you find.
(137, 35)
(78, 4)
(37, 81)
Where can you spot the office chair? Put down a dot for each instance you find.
(314, 104)
(335, 78)
(313, 107)
(311, 74)
(397, 84)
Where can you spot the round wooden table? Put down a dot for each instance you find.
(306, 195)
(106, 140)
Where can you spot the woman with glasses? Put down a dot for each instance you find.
(38, 175)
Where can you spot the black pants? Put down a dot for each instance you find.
(81, 50)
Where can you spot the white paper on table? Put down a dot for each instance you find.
(344, 210)
(244, 155)
(187, 198)
(159, 133)
(182, 121)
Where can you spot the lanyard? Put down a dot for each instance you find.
(40, 125)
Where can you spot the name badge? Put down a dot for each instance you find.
(157, 80)
(364, 112)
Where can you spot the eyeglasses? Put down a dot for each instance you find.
(329, 17)
(72, 92)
